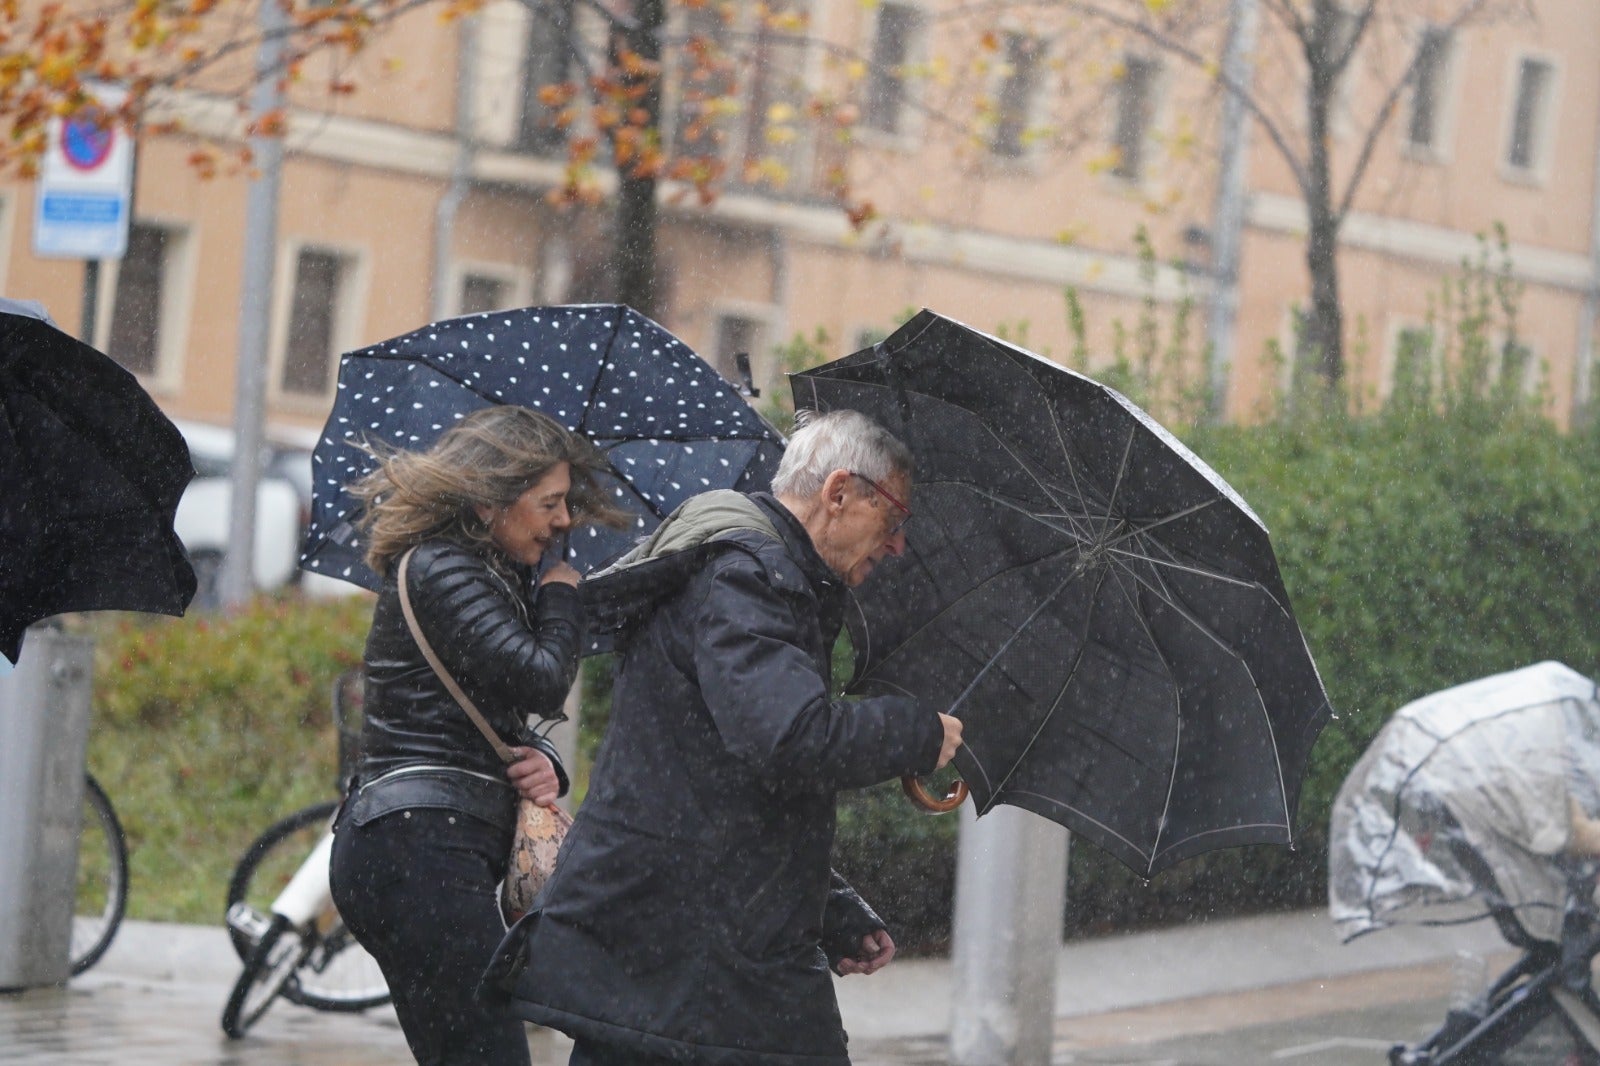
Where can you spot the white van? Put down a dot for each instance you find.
(283, 504)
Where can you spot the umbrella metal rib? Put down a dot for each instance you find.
(1062, 689)
(1199, 625)
(995, 657)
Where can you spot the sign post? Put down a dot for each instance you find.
(83, 198)
(85, 185)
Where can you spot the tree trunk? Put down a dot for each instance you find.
(636, 244)
(1324, 325)
(637, 213)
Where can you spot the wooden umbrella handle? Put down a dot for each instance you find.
(920, 795)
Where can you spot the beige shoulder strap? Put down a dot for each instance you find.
(478, 720)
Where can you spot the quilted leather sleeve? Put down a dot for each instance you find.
(511, 658)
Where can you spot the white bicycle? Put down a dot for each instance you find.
(281, 916)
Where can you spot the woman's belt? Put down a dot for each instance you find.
(438, 788)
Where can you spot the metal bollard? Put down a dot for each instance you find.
(1011, 883)
(44, 718)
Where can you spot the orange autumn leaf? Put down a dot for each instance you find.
(556, 95)
(860, 214)
(272, 124)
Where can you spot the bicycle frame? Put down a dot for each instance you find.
(296, 946)
(306, 902)
(308, 896)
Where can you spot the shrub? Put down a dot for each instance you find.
(207, 729)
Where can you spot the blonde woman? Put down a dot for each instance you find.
(421, 845)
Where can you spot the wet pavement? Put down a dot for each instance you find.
(158, 1000)
(108, 1020)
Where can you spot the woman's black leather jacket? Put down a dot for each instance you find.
(511, 658)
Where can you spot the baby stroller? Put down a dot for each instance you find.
(1464, 808)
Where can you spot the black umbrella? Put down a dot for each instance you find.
(92, 473)
(1100, 608)
(670, 425)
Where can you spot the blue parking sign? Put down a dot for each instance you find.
(85, 185)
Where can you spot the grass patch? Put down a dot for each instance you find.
(207, 729)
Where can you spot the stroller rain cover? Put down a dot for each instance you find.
(1469, 780)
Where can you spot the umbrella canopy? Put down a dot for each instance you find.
(1487, 767)
(669, 424)
(1097, 605)
(92, 472)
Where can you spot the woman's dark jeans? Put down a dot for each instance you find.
(417, 888)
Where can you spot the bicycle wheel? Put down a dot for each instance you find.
(102, 891)
(267, 972)
(338, 974)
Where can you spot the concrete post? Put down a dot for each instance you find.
(44, 717)
(1227, 224)
(255, 309)
(1011, 885)
(443, 301)
(565, 735)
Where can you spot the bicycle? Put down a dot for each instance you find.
(280, 914)
(101, 896)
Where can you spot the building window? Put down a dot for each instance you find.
(548, 63)
(894, 44)
(772, 144)
(320, 276)
(1520, 370)
(697, 130)
(1412, 377)
(736, 334)
(1335, 29)
(731, 102)
(1014, 104)
(1427, 88)
(481, 292)
(136, 308)
(1534, 77)
(1135, 96)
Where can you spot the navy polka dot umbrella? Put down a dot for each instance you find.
(670, 425)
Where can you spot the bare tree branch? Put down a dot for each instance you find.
(1288, 14)
(1212, 70)
(1352, 41)
(1381, 117)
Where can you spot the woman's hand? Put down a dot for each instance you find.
(561, 572)
(534, 777)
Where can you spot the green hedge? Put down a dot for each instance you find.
(1418, 552)
(209, 728)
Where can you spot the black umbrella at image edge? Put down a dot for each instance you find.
(93, 473)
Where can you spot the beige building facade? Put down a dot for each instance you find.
(412, 201)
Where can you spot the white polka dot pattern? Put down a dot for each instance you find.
(671, 426)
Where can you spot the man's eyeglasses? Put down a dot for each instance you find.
(886, 494)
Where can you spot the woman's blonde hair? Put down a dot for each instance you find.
(487, 459)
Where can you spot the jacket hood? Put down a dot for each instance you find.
(618, 597)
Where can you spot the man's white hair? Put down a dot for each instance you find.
(838, 440)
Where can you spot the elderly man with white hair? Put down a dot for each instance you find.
(693, 916)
